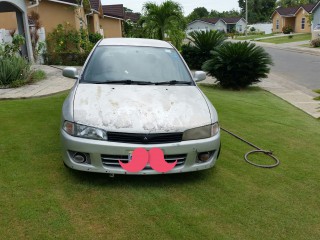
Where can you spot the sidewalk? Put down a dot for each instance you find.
(297, 95)
(292, 93)
(54, 83)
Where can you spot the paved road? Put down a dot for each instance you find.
(300, 68)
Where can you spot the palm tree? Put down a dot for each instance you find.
(237, 65)
(166, 18)
(206, 41)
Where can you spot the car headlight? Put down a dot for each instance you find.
(201, 132)
(82, 131)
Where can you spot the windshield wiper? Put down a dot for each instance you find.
(124, 82)
(173, 82)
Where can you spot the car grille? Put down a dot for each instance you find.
(144, 138)
(113, 160)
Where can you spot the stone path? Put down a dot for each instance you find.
(54, 83)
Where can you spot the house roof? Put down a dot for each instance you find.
(134, 17)
(73, 2)
(292, 11)
(309, 7)
(209, 20)
(95, 4)
(231, 20)
(316, 6)
(116, 10)
(287, 11)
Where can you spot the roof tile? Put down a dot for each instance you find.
(116, 10)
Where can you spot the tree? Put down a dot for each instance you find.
(231, 13)
(258, 10)
(203, 43)
(237, 65)
(197, 13)
(164, 19)
(290, 3)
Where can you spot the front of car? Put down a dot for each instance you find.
(137, 94)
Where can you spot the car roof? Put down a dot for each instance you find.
(134, 42)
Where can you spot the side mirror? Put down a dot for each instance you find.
(70, 72)
(199, 76)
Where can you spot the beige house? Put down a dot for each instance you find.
(296, 17)
(112, 22)
(52, 13)
(106, 20)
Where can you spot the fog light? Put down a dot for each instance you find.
(204, 156)
(80, 157)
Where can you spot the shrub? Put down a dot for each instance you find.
(95, 37)
(67, 46)
(12, 49)
(203, 42)
(14, 71)
(287, 29)
(237, 65)
(315, 43)
(193, 57)
(63, 38)
(66, 59)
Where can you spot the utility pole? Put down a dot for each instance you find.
(246, 30)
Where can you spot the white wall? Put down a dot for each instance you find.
(262, 27)
(5, 36)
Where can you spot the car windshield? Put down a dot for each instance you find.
(136, 65)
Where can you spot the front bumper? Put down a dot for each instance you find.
(98, 150)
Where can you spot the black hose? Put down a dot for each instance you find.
(258, 150)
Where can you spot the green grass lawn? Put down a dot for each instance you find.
(41, 199)
(252, 37)
(317, 91)
(286, 39)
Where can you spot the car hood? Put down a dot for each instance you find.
(140, 109)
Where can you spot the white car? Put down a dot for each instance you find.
(137, 93)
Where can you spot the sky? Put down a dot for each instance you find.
(188, 5)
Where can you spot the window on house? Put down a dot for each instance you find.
(277, 24)
(240, 28)
(303, 23)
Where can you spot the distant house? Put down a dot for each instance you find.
(112, 22)
(106, 20)
(219, 24)
(296, 17)
(207, 24)
(235, 23)
(316, 21)
(94, 17)
(52, 13)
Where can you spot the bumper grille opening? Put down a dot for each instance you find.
(113, 160)
(144, 138)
